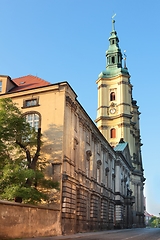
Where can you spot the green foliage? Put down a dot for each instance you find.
(21, 169)
(13, 122)
(154, 222)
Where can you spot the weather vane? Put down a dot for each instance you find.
(113, 16)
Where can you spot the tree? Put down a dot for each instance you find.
(21, 169)
(154, 222)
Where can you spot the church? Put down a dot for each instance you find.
(99, 167)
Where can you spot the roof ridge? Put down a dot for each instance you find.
(39, 78)
(23, 76)
(30, 75)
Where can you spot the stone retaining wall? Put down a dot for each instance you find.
(20, 220)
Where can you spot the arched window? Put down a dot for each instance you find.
(113, 59)
(112, 96)
(113, 133)
(33, 119)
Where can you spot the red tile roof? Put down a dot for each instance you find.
(28, 82)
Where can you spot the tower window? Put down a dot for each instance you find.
(119, 58)
(112, 96)
(113, 59)
(112, 41)
(113, 133)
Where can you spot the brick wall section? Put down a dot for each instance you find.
(19, 220)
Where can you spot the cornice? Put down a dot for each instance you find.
(102, 86)
(124, 125)
(71, 103)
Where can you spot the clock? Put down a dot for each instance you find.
(112, 110)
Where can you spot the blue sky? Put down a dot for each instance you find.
(66, 40)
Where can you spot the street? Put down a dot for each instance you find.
(133, 234)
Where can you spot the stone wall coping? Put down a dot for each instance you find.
(27, 205)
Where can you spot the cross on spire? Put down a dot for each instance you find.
(113, 22)
(125, 57)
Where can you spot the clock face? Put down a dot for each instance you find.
(112, 110)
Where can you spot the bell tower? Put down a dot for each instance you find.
(115, 111)
(118, 116)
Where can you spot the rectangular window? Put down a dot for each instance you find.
(98, 147)
(31, 102)
(105, 157)
(88, 167)
(75, 122)
(113, 165)
(75, 151)
(0, 86)
(98, 175)
(87, 136)
(107, 180)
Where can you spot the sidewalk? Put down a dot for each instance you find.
(73, 236)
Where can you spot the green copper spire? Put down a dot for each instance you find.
(113, 54)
